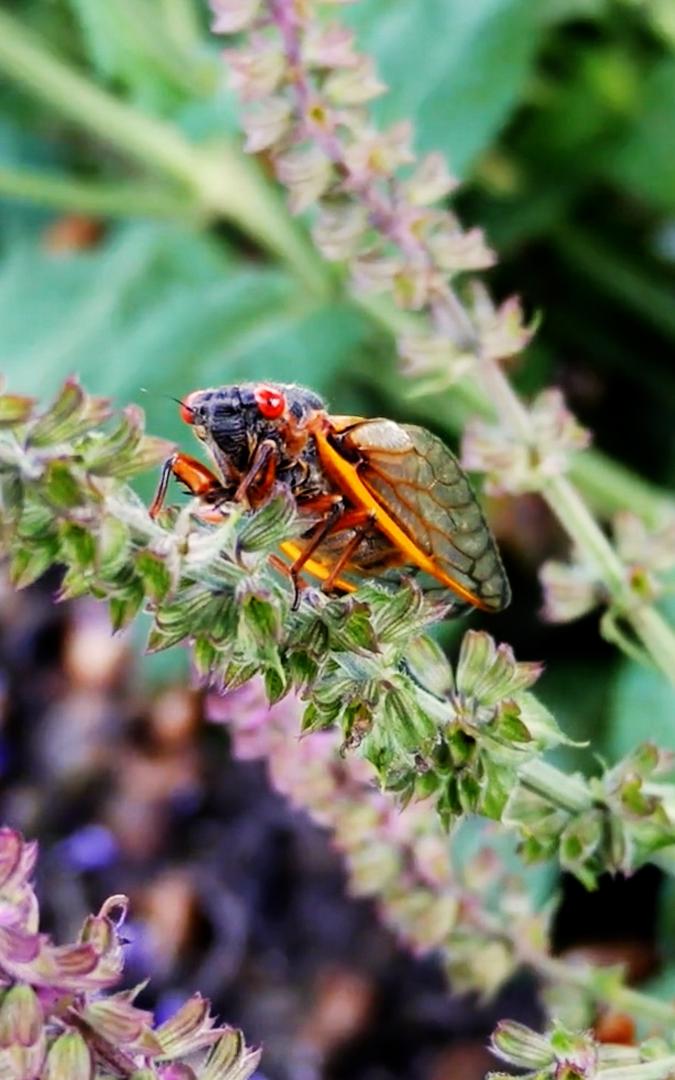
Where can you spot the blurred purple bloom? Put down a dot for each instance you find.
(92, 847)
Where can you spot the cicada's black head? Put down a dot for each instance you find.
(233, 420)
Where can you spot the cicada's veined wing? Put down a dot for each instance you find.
(422, 502)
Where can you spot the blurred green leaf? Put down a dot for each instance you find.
(642, 708)
(459, 69)
(129, 43)
(578, 693)
(163, 309)
(643, 161)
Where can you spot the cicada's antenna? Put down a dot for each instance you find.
(169, 397)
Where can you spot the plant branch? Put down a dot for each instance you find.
(393, 853)
(474, 744)
(99, 198)
(375, 218)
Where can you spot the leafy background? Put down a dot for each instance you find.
(559, 118)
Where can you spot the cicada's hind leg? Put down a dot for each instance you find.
(350, 549)
(198, 479)
(338, 519)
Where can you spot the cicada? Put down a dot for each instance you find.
(378, 496)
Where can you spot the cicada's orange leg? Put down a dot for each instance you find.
(261, 472)
(198, 479)
(337, 520)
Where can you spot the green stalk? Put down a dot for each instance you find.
(589, 979)
(565, 790)
(610, 486)
(220, 177)
(573, 514)
(100, 198)
(197, 72)
(646, 1070)
(651, 628)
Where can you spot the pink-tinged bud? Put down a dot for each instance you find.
(355, 85)
(121, 1023)
(434, 355)
(372, 868)
(17, 859)
(422, 918)
(513, 466)
(339, 229)
(329, 47)
(307, 173)
(189, 1029)
(648, 549)
(571, 590)
(430, 181)
(230, 1059)
(177, 1071)
(256, 72)
(22, 1037)
(69, 1059)
(502, 329)
(375, 272)
(231, 16)
(456, 251)
(266, 124)
(374, 153)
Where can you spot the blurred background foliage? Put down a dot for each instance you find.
(139, 249)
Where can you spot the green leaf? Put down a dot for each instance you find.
(260, 616)
(27, 564)
(459, 69)
(78, 545)
(642, 705)
(129, 43)
(162, 309)
(643, 161)
(125, 607)
(154, 574)
(61, 487)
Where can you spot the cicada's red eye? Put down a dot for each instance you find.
(186, 409)
(270, 402)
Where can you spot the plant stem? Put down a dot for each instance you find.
(583, 529)
(583, 977)
(564, 500)
(610, 486)
(101, 198)
(646, 1070)
(568, 791)
(223, 180)
(653, 631)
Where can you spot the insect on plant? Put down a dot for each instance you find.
(377, 496)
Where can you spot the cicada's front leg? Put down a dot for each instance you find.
(198, 479)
